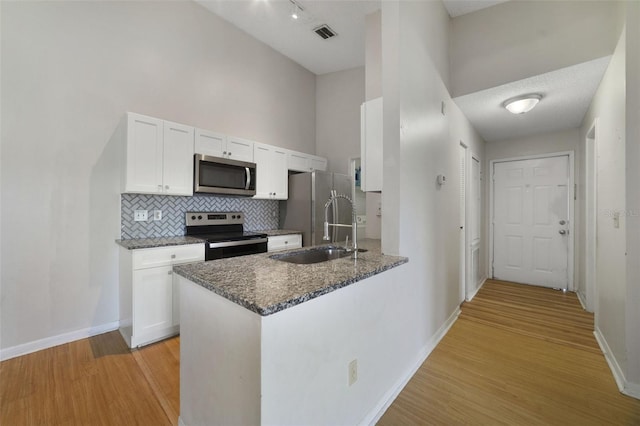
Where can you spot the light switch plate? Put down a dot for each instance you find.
(157, 215)
(140, 215)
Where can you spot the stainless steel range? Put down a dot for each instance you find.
(224, 234)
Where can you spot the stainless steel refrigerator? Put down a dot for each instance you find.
(304, 209)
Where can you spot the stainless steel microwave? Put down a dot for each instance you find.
(214, 175)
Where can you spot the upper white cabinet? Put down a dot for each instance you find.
(240, 149)
(158, 156)
(318, 163)
(219, 145)
(272, 178)
(371, 145)
(301, 162)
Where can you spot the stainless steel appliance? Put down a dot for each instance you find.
(213, 175)
(224, 234)
(304, 209)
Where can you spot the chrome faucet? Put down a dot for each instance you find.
(354, 225)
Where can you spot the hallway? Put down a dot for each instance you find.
(518, 355)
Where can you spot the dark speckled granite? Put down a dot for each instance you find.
(266, 286)
(142, 243)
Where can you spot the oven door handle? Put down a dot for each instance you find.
(248, 184)
(238, 243)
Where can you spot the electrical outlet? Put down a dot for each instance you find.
(353, 372)
(157, 215)
(140, 215)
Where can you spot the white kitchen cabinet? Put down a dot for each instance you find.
(301, 162)
(240, 149)
(272, 178)
(219, 145)
(284, 242)
(149, 309)
(371, 145)
(158, 156)
(317, 163)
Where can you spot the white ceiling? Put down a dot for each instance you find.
(567, 94)
(462, 7)
(270, 21)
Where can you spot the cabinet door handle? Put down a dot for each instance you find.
(173, 256)
(166, 187)
(229, 153)
(286, 242)
(169, 272)
(224, 152)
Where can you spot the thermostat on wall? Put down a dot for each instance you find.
(441, 179)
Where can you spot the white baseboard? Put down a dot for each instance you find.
(390, 396)
(60, 339)
(180, 422)
(625, 387)
(470, 298)
(582, 300)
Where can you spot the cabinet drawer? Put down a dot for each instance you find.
(284, 242)
(162, 256)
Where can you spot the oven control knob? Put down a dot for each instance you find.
(193, 217)
(238, 216)
(233, 217)
(199, 217)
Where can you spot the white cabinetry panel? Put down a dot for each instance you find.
(210, 143)
(301, 162)
(158, 156)
(284, 242)
(177, 164)
(272, 179)
(149, 309)
(143, 154)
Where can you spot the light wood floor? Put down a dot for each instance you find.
(517, 355)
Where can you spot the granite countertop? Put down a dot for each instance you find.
(266, 286)
(276, 232)
(142, 243)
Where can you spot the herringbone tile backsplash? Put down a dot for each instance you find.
(259, 214)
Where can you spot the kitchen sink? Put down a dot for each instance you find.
(314, 255)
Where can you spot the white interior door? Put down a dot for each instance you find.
(531, 221)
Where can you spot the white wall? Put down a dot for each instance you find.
(420, 218)
(608, 106)
(69, 72)
(338, 99)
(544, 143)
(460, 130)
(633, 195)
(495, 46)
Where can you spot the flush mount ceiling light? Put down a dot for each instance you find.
(296, 10)
(522, 104)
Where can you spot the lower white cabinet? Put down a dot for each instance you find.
(149, 308)
(284, 242)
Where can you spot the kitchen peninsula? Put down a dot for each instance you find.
(269, 342)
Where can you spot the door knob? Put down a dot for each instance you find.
(562, 222)
(562, 232)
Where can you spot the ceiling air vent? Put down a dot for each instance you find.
(324, 31)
